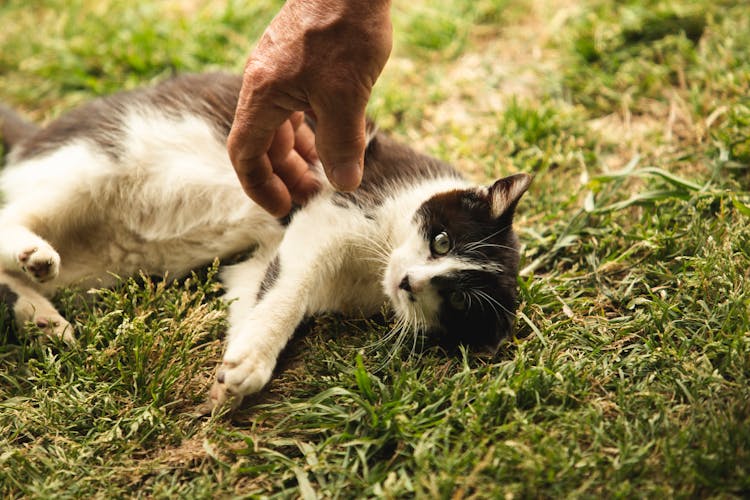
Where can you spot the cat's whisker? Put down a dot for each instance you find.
(394, 332)
(491, 235)
(376, 260)
(484, 241)
(375, 256)
(372, 249)
(391, 333)
(472, 293)
(467, 296)
(419, 328)
(494, 302)
(475, 247)
(401, 330)
(377, 246)
(373, 252)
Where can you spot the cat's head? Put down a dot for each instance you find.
(455, 278)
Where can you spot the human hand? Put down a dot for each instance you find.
(320, 56)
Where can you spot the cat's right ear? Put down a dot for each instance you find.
(505, 193)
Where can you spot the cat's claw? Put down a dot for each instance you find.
(40, 263)
(238, 378)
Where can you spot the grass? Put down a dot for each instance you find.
(630, 373)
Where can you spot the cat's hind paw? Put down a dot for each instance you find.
(55, 325)
(51, 325)
(41, 263)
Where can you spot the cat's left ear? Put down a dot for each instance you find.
(505, 193)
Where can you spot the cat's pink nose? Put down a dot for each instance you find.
(412, 284)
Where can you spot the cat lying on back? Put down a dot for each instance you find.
(141, 181)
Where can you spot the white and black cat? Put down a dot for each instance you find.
(141, 181)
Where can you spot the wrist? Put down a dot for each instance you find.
(317, 14)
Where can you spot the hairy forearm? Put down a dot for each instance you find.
(319, 14)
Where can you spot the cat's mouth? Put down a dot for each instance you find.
(421, 306)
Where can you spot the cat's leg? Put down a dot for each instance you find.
(31, 307)
(27, 260)
(243, 281)
(262, 319)
(29, 264)
(309, 257)
(39, 200)
(22, 249)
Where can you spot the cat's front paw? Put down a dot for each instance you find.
(41, 263)
(240, 376)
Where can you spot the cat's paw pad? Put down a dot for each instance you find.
(40, 263)
(55, 325)
(240, 377)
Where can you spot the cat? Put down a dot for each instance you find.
(140, 181)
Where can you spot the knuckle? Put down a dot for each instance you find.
(257, 74)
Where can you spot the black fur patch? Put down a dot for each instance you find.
(8, 296)
(272, 274)
(478, 306)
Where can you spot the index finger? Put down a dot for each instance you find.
(265, 187)
(249, 140)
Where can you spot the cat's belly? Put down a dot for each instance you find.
(95, 255)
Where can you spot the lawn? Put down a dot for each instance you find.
(630, 372)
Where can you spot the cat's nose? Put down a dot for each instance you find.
(405, 285)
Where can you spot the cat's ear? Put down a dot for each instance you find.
(505, 193)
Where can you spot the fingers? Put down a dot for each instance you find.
(304, 138)
(340, 141)
(253, 132)
(265, 188)
(289, 165)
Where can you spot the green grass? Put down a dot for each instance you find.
(630, 375)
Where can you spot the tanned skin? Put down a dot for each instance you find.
(317, 56)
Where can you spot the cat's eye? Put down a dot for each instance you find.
(457, 301)
(440, 244)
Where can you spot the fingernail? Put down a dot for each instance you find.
(346, 178)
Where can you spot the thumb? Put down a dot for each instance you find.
(340, 141)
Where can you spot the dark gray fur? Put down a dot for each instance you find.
(13, 128)
(388, 163)
(8, 296)
(272, 274)
(211, 95)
